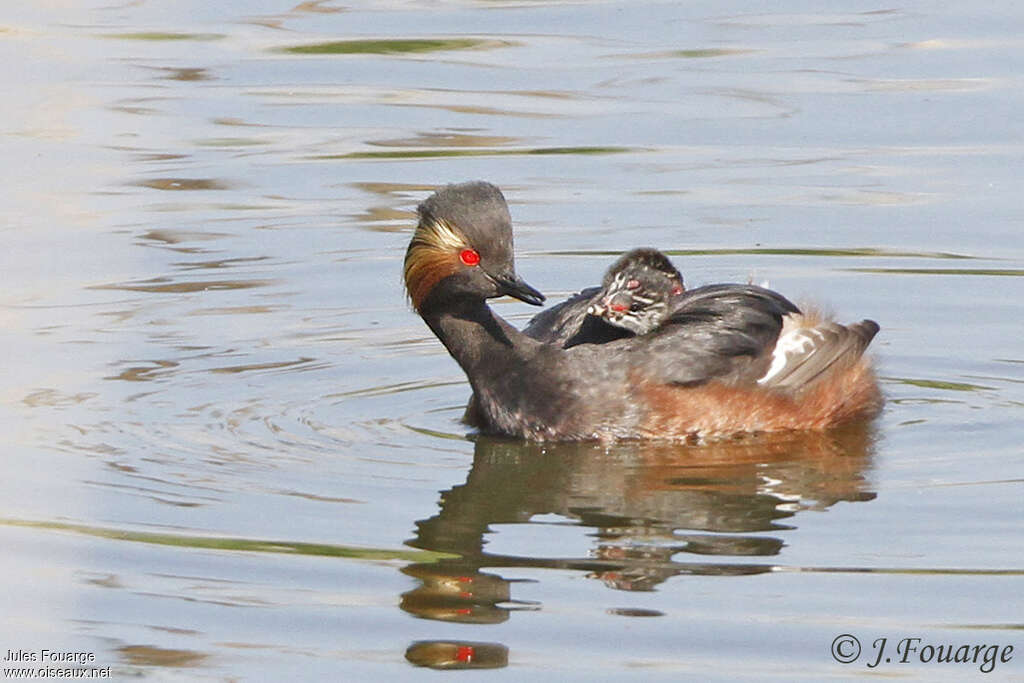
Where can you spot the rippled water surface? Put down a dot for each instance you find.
(233, 452)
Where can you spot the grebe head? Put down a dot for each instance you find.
(637, 291)
(463, 243)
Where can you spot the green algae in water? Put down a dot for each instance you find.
(854, 252)
(234, 544)
(437, 153)
(989, 272)
(162, 36)
(387, 46)
(940, 384)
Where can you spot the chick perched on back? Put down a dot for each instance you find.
(635, 297)
(637, 291)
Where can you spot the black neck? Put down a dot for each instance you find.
(482, 343)
(521, 386)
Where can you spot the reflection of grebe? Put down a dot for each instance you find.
(457, 654)
(653, 510)
(728, 358)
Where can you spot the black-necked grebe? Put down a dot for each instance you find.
(725, 359)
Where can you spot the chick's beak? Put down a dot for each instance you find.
(513, 285)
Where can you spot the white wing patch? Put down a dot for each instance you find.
(794, 343)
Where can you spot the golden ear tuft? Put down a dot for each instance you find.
(433, 255)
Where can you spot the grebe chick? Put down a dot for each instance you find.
(634, 298)
(727, 359)
(638, 291)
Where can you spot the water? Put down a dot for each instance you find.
(234, 453)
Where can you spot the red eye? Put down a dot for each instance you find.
(678, 289)
(469, 256)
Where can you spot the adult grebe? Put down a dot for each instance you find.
(727, 359)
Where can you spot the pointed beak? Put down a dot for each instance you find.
(513, 285)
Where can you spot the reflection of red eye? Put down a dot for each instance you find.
(469, 256)
(632, 284)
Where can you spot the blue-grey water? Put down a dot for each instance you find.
(233, 453)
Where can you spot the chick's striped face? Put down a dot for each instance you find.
(636, 296)
(437, 251)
